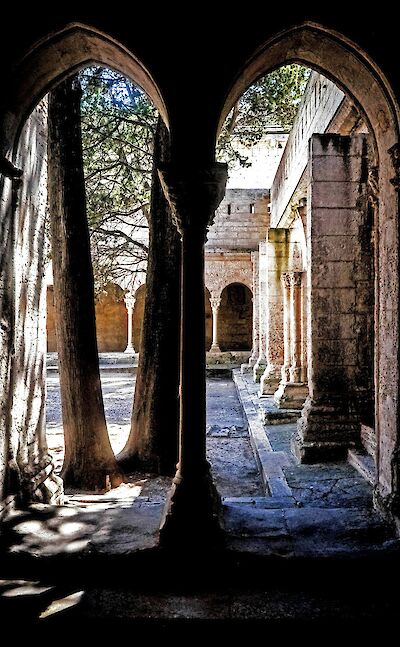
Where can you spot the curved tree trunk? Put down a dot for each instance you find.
(153, 439)
(89, 462)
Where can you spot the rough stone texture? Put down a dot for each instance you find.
(339, 298)
(29, 461)
(317, 108)
(261, 362)
(277, 247)
(227, 267)
(240, 222)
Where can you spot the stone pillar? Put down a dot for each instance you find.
(192, 513)
(295, 371)
(261, 363)
(247, 368)
(130, 299)
(215, 303)
(339, 292)
(291, 392)
(277, 260)
(285, 373)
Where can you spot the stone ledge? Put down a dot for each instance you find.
(363, 463)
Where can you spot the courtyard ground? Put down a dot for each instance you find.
(295, 534)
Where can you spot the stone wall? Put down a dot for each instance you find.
(318, 106)
(224, 268)
(241, 220)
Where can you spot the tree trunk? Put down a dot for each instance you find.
(153, 439)
(89, 462)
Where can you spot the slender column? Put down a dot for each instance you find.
(295, 327)
(248, 367)
(286, 327)
(292, 391)
(192, 513)
(277, 260)
(259, 366)
(130, 299)
(215, 303)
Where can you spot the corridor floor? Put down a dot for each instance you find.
(294, 534)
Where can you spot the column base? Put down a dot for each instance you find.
(215, 349)
(129, 350)
(269, 380)
(291, 395)
(192, 515)
(258, 369)
(325, 432)
(248, 367)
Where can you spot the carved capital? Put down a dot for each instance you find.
(129, 299)
(194, 194)
(394, 153)
(215, 301)
(373, 186)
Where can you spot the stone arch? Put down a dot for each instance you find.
(111, 320)
(220, 274)
(347, 65)
(138, 316)
(56, 57)
(235, 319)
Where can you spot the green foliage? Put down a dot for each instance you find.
(118, 126)
(271, 101)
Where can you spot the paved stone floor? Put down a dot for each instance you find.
(294, 536)
(228, 446)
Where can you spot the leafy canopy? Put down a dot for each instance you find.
(271, 101)
(118, 128)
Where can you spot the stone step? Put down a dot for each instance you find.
(363, 463)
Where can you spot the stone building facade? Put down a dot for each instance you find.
(317, 288)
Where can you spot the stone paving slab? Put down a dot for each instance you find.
(97, 528)
(306, 532)
(330, 485)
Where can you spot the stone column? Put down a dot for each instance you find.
(192, 513)
(292, 391)
(277, 260)
(285, 373)
(130, 299)
(247, 368)
(339, 294)
(215, 303)
(295, 371)
(261, 363)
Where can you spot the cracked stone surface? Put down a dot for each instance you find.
(331, 485)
